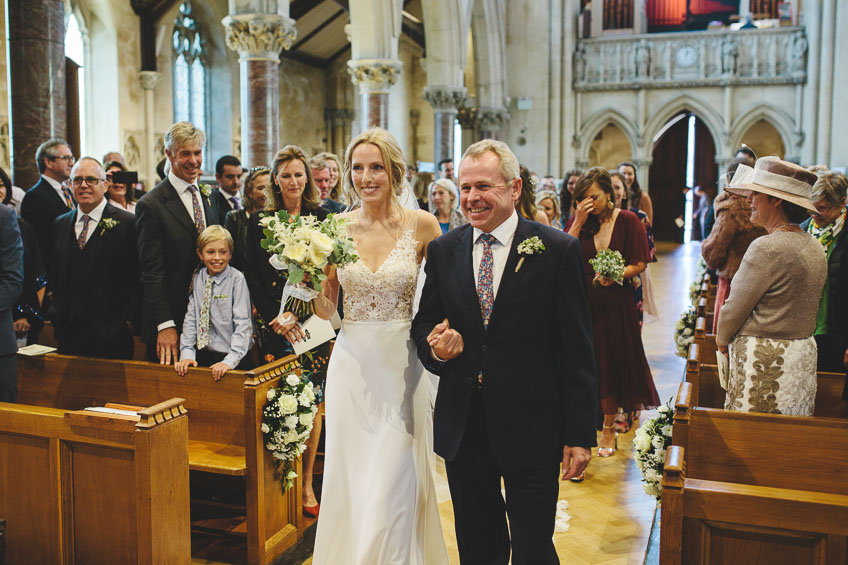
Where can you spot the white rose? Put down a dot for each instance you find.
(663, 409)
(293, 380)
(292, 437)
(291, 475)
(680, 325)
(265, 429)
(642, 440)
(270, 395)
(651, 475)
(687, 331)
(296, 252)
(320, 248)
(291, 421)
(288, 404)
(304, 399)
(658, 442)
(306, 419)
(309, 391)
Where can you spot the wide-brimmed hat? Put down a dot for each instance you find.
(775, 177)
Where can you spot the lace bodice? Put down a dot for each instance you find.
(387, 294)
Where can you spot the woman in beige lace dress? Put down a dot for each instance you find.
(767, 323)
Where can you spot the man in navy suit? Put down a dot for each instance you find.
(11, 284)
(504, 322)
(226, 197)
(48, 199)
(97, 294)
(168, 220)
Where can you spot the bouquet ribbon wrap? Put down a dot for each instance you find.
(295, 298)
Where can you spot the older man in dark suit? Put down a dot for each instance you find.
(168, 219)
(48, 199)
(11, 284)
(97, 290)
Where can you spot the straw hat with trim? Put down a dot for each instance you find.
(775, 177)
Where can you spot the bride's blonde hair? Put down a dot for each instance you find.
(393, 160)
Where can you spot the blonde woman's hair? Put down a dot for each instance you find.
(831, 186)
(310, 199)
(336, 192)
(508, 165)
(214, 233)
(393, 160)
(543, 195)
(183, 133)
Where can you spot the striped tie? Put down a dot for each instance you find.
(198, 213)
(69, 198)
(485, 288)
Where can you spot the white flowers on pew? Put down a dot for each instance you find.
(302, 245)
(651, 441)
(684, 331)
(287, 420)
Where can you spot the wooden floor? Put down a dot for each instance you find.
(610, 515)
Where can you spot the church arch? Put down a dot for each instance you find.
(596, 123)
(776, 118)
(684, 103)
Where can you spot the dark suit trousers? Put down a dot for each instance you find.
(9, 378)
(480, 512)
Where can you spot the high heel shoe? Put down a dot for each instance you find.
(579, 478)
(608, 451)
(311, 511)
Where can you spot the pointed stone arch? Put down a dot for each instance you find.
(781, 121)
(685, 103)
(592, 126)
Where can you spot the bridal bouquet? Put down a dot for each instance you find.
(651, 441)
(303, 246)
(684, 331)
(287, 422)
(609, 264)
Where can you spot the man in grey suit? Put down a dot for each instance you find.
(11, 284)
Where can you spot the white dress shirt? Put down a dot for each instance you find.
(181, 187)
(94, 216)
(504, 234)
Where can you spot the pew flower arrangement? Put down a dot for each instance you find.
(651, 441)
(287, 420)
(684, 331)
(695, 287)
(303, 246)
(608, 264)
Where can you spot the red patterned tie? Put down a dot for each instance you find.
(198, 213)
(485, 288)
(83, 236)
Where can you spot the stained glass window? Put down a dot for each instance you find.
(189, 69)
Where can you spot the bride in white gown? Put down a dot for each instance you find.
(378, 504)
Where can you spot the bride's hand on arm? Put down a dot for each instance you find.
(328, 301)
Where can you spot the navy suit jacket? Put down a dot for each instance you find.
(41, 205)
(167, 240)
(535, 355)
(11, 277)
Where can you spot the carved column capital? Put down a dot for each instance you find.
(445, 98)
(492, 118)
(374, 75)
(149, 79)
(259, 36)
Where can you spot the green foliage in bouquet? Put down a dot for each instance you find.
(609, 264)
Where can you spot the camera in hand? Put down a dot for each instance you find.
(128, 178)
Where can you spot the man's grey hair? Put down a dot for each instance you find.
(183, 133)
(508, 164)
(317, 164)
(47, 150)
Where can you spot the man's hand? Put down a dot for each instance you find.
(21, 327)
(182, 366)
(574, 461)
(218, 370)
(723, 350)
(446, 343)
(167, 346)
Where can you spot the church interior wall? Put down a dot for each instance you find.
(610, 147)
(5, 145)
(302, 105)
(764, 139)
(839, 133)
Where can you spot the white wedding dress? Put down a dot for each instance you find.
(378, 504)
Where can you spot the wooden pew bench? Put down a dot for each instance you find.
(742, 487)
(224, 419)
(88, 487)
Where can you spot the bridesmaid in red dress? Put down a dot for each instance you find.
(625, 378)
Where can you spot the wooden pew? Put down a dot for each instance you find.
(86, 487)
(702, 372)
(754, 488)
(224, 435)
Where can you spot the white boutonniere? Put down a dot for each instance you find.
(107, 224)
(205, 189)
(530, 246)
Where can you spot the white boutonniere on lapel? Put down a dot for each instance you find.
(204, 189)
(530, 246)
(107, 224)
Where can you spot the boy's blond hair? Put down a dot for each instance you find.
(214, 233)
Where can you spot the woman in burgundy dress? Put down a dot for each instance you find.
(625, 378)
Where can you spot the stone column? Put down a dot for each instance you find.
(36, 56)
(445, 102)
(258, 39)
(825, 104)
(374, 78)
(490, 121)
(643, 168)
(148, 80)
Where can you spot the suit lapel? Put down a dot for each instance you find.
(510, 278)
(465, 272)
(54, 196)
(176, 208)
(96, 241)
(209, 210)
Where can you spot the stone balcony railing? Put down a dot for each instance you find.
(692, 59)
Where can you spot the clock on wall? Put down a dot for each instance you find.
(686, 56)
